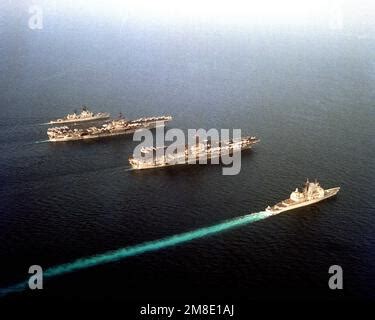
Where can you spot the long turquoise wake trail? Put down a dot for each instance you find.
(116, 255)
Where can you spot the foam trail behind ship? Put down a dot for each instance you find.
(135, 250)
(42, 141)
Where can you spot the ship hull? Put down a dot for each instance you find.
(327, 194)
(150, 125)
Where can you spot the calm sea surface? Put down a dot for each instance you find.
(309, 97)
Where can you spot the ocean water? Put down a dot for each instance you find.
(309, 97)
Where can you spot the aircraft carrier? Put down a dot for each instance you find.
(109, 129)
(84, 116)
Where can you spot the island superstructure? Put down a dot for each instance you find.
(310, 194)
(84, 116)
(111, 128)
(191, 153)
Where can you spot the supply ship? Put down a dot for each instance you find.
(192, 153)
(310, 194)
(111, 128)
(84, 116)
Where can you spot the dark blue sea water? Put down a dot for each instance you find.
(308, 95)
